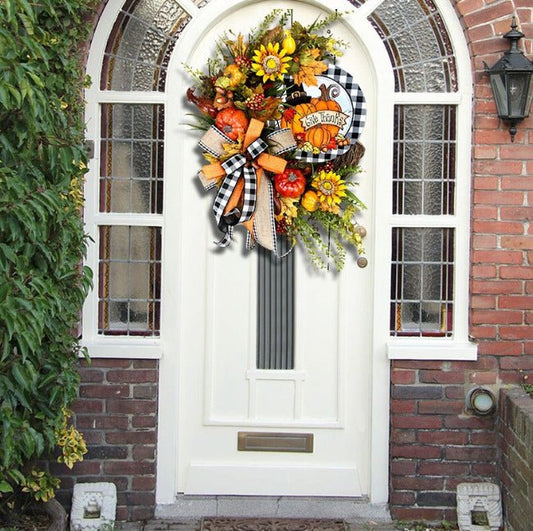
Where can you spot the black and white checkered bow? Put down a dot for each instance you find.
(238, 166)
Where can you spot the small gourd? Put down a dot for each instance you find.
(232, 122)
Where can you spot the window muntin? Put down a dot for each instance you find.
(419, 48)
(129, 291)
(422, 282)
(131, 173)
(424, 159)
(140, 45)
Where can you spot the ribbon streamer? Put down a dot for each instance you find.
(241, 195)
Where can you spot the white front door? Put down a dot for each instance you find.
(303, 430)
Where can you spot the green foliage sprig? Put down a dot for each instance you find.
(42, 242)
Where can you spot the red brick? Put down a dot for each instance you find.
(517, 152)
(416, 422)
(88, 406)
(403, 406)
(484, 271)
(143, 452)
(486, 212)
(442, 468)
(444, 407)
(402, 467)
(418, 364)
(418, 483)
(497, 286)
(444, 377)
(498, 227)
(466, 453)
(142, 421)
(517, 242)
(102, 422)
(146, 364)
(129, 468)
(413, 451)
(131, 406)
(489, 470)
(442, 437)
(483, 332)
(403, 436)
(131, 437)
(516, 213)
(104, 391)
(496, 317)
(455, 392)
(501, 198)
(500, 348)
(133, 376)
(91, 375)
(483, 301)
(483, 438)
(484, 241)
(497, 257)
(519, 302)
(516, 332)
(517, 363)
(143, 483)
(403, 377)
(402, 498)
(468, 422)
(482, 377)
(516, 272)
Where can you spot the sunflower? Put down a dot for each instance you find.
(330, 188)
(270, 62)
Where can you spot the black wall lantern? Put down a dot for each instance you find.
(510, 79)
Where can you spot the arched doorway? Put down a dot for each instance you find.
(141, 308)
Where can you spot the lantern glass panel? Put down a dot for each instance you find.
(518, 89)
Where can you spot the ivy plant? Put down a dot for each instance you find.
(42, 241)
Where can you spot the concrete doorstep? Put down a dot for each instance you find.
(194, 525)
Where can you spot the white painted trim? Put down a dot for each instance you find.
(430, 349)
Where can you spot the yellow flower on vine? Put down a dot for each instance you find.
(270, 63)
(330, 189)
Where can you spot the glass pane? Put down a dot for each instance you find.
(275, 309)
(131, 170)
(140, 44)
(422, 281)
(129, 280)
(424, 159)
(418, 45)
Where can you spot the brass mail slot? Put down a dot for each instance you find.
(252, 441)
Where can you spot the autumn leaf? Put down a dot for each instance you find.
(309, 68)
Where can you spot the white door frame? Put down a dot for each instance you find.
(169, 364)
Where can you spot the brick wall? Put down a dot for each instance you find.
(435, 444)
(516, 447)
(117, 414)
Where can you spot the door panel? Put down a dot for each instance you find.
(221, 392)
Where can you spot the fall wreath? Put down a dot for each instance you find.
(281, 123)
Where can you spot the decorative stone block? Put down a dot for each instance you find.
(93, 507)
(479, 507)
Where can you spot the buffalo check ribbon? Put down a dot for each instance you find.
(237, 197)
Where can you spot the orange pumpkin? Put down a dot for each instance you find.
(293, 120)
(319, 136)
(326, 103)
(232, 122)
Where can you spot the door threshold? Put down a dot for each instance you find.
(349, 509)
